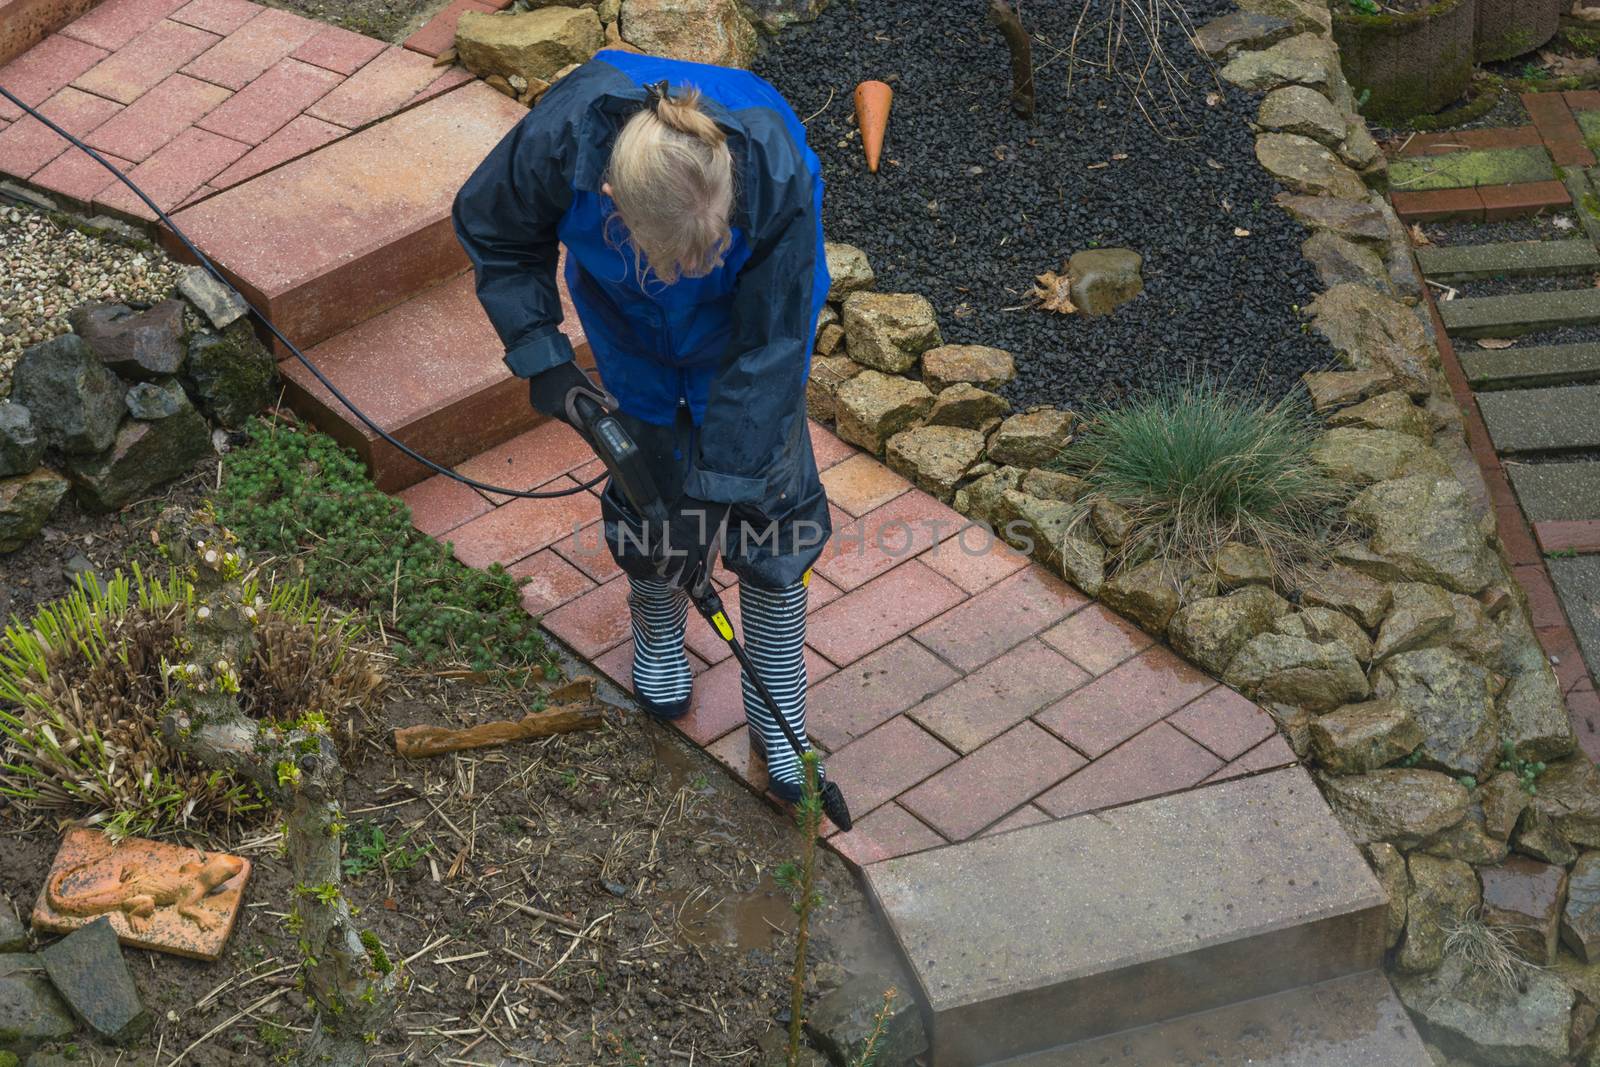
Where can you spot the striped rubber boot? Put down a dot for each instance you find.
(774, 637)
(661, 678)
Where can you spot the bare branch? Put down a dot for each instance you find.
(1022, 99)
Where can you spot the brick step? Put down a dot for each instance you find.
(1557, 491)
(1100, 923)
(1518, 313)
(24, 23)
(335, 237)
(430, 372)
(1543, 420)
(1536, 365)
(1514, 258)
(1355, 1021)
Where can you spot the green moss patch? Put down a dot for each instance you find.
(1462, 170)
(1589, 123)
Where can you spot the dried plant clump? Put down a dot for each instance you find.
(1490, 951)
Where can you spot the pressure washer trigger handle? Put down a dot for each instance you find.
(619, 453)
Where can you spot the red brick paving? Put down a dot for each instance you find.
(1159, 760)
(1097, 638)
(1580, 535)
(303, 134)
(251, 50)
(1528, 198)
(1269, 755)
(586, 550)
(998, 695)
(974, 558)
(133, 70)
(440, 504)
(386, 83)
(1027, 815)
(116, 22)
(78, 178)
(884, 538)
(861, 483)
(552, 448)
(522, 527)
(339, 50)
(982, 787)
(551, 581)
(868, 618)
(271, 102)
(1124, 701)
(44, 70)
(172, 174)
(878, 767)
(1224, 722)
(875, 689)
(1435, 205)
(999, 618)
(221, 17)
(27, 145)
(157, 118)
(884, 834)
(439, 34)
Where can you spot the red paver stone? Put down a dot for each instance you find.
(1501, 137)
(888, 832)
(440, 32)
(980, 788)
(382, 86)
(28, 144)
(827, 448)
(153, 120)
(1544, 606)
(594, 622)
(1270, 754)
(450, 79)
(440, 504)
(884, 684)
(1224, 722)
(303, 134)
(1435, 205)
(972, 633)
(880, 611)
(116, 22)
(1565, 154)
(990, 701)
(587, 550)
(339, 50)
(860, 483)
(1514, 534)
(172, 174)
(1528, 198)
(820, 593)
(1097, 638)
(884, 538)
(1027, 815)
(1553, 118)
(77, 177)
(521, 528)
(1579, 535)
(1583, 100)
(529, 459)
(267, 104)
(44, 70)
(129, 73)
(974, 558)
(1159, 760)
(218, 16)
(1124, 701)
(248, 52)
(885, 763)
(552, 581)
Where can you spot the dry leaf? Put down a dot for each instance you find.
(1213, 99)
(1563, 222)
(1495, 343)
(1214, 165)
(1120, 155)
(1240, 231)
(1053, 293)
(1419, 236)
(1098, 166)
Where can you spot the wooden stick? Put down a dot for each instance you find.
(419, 742)
(1021, 56)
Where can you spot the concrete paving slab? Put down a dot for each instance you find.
(1355, 1021)
(1468, 170)
(1509, 258)
(1577, 582)
(1530, 367)
(1100, 923)
(1518, 313)
(1552, 492)
(1540, 420)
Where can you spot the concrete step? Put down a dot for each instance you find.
(1554, 492)
(430, 372)
(1535, 365)
(1355, 1021)
(1543, 420)
(1518, 313)
(1577, 581)
(1509, 258)
(335, 237)
(1107, 921)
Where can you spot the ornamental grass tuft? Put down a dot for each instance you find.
(1199, 465)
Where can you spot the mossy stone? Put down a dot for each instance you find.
(231, 374)
(1464, 170)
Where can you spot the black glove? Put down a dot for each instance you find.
(692, 534)
(548, 390)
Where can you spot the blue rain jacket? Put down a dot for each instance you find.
(733, 348)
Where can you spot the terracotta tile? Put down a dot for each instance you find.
(976, 631)
(1514, 535)
(870, 617)
(145, 62)
(886, 833)
(884, 538)
(980, 788)
(156, 118)
(827, 448)
(78, 178)
(990, 701)
(1224, 722)
(1122, 702)
(116, 22)
(172, 174)
(1434, 205)
(440, 504)
(871, 690)
(1269, 755)
(974, 558)
(1159, 760)
(28, 144)
(380, 87)
(519, 529)
(248, 52)
(267, 104)
(861, 483)
(339, 50)
(594, 622)
(439, 34)
(550, 449)
(1097, 638)
(1530, 198)
(1027, 815)
(221, 17)
(303, 134)
(1544, 605)
(586, 550)
(44, 70)
(876, 768)
(1582, 536)
(718, 704)
(552, 581)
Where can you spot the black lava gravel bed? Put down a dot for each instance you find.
(1558, 226)
(972, 202)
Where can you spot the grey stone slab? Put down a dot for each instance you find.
(1355, 1021)
(1577, 582)
(1542, 420)
(1549, 491)
(1515, 313)
(1530, 367)
(1463, 262)
(88, 970)
(1100, 923)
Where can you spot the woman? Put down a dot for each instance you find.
(690, 211)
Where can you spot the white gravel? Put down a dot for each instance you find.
(47, 269)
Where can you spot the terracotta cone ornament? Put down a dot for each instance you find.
(872, 117)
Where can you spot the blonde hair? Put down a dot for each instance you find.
(671, 177)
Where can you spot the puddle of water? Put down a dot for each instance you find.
(682, 766)
(747, 921)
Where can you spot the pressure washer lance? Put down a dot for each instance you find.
(626, 464)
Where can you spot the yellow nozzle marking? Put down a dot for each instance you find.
(805, 579)
(724, 627)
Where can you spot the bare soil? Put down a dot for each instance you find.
(388, 20)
